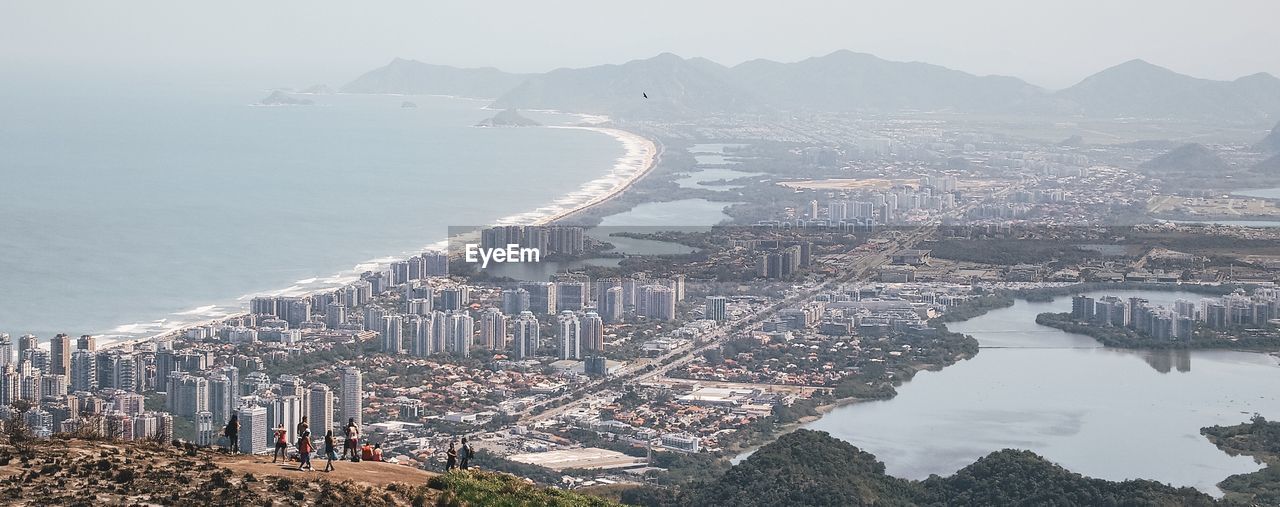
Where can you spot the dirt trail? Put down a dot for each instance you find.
(370, 472)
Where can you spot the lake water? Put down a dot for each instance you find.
(634, 246)
(714, 153)
(684, 215)
(1108, 413)
(126, 208)
(695, 179)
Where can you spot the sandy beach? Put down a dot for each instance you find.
(639, 158)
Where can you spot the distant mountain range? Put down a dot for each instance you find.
(848, 81)
(1140, 89)
(840, 81)
(675, 86)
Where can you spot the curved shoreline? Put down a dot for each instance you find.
(640, 156)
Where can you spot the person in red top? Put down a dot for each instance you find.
(366, 451)
(305, 449)
(282, 444)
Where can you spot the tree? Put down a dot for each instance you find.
(16, 430)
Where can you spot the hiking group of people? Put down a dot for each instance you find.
(306, 446)
(455, 457)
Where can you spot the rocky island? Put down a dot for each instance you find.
(279, 98)
(508, 118)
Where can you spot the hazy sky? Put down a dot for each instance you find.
(1052, 43)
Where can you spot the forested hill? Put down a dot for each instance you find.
(813, 468)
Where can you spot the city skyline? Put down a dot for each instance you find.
(829, 253)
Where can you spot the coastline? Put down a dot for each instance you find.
(822, 410)
(826, 408)
(640, 156)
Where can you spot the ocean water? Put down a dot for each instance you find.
(126, 209)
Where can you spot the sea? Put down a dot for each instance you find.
(128, 209)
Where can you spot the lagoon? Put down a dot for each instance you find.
(1107, 413)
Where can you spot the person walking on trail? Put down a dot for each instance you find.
(301, 430)
(232, 432)
(302, 427)
(304, 451)
(464, 454)
(350, 443)
(282, 444)
(451, 458)
(330, 450)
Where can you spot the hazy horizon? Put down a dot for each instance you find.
(1049, 44)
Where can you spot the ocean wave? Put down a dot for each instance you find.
(201, 310)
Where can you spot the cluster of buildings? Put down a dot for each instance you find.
(194, 381)
(72, 386)
(549, 240)
(778, 259)
(821, 341)
(610, 297)
(1179, 321)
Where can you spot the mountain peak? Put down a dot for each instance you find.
(1260, 77)
(1138, 88)
(1137, 63)
(1190, 158)
(1136, 67)
(848, 53)
(666, 56)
